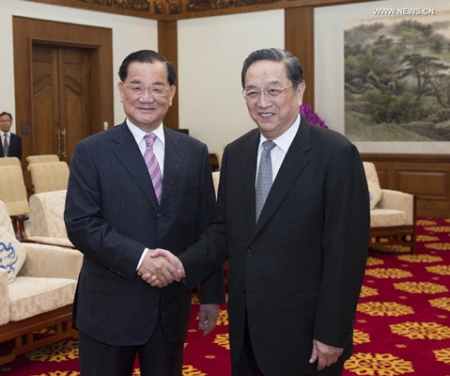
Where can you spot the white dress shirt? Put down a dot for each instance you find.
(158, 146)
(158, 149)
(278, 153)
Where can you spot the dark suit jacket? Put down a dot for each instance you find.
(15, 146)
(112, 214)
(297, 273)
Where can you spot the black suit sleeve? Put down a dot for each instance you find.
(210, 252)
(345, 247)
(212, 287)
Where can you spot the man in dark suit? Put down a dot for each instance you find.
(293, 220)
(132, 189)
(11, 144)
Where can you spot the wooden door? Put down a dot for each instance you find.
(60, 100)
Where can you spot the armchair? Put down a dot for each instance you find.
(47, 218)
(10, 161)
(13, 193)
(392, 214)
(49, 176)
(43, 158)
(37, 287)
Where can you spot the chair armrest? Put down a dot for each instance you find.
(51, 261)
(4, 297)
(399, 201)
(19, 226)
(60, 242)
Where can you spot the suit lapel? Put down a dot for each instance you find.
(173, 160)
(293, 164)
(248, 175)
(127, 151)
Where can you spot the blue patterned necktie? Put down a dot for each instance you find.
(264, 179)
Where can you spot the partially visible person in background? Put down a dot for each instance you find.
(11, 144)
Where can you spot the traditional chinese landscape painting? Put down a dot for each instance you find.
(397, 78)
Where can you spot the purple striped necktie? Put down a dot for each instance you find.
(152, 165)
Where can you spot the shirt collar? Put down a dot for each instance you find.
(139, 134)
(285, 140)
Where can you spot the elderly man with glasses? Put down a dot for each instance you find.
(293, 220)
(134, 188)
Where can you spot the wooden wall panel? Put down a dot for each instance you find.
(299, 40)
(168, 47)
(425, 176)
(430, 185)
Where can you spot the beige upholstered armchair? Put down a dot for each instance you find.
(392, 214)
(43, 158)
(49, 176)
(37, 287)
(10, 161)
(13, 193)
(47, 218)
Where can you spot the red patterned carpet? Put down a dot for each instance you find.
(402, 324)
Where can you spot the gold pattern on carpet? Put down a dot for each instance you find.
(378, 364)
(368, 291)
(360, 337)
(420, 287)
(421, 330)
(56, 352)
(420, 258)
(388, 273)
(443, 303)
(223, 340)
(439, 269)
(372, 261)
(385, 309)
(443, 355)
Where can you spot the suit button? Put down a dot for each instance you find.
(251, 250)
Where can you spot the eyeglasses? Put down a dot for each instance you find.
(5, 121)
(138, 89)
(271, 92)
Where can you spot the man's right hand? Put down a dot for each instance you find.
(160, 268)
(165, 269)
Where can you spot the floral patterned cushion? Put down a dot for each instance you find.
(4, 297)
(387, 218)
(47, 214)
(12, 255)
(373, 183)
(5, 220)
(30, 296)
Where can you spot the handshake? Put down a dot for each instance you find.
(160, 268)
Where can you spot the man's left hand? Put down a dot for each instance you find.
(208, 317)
(325, 355)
